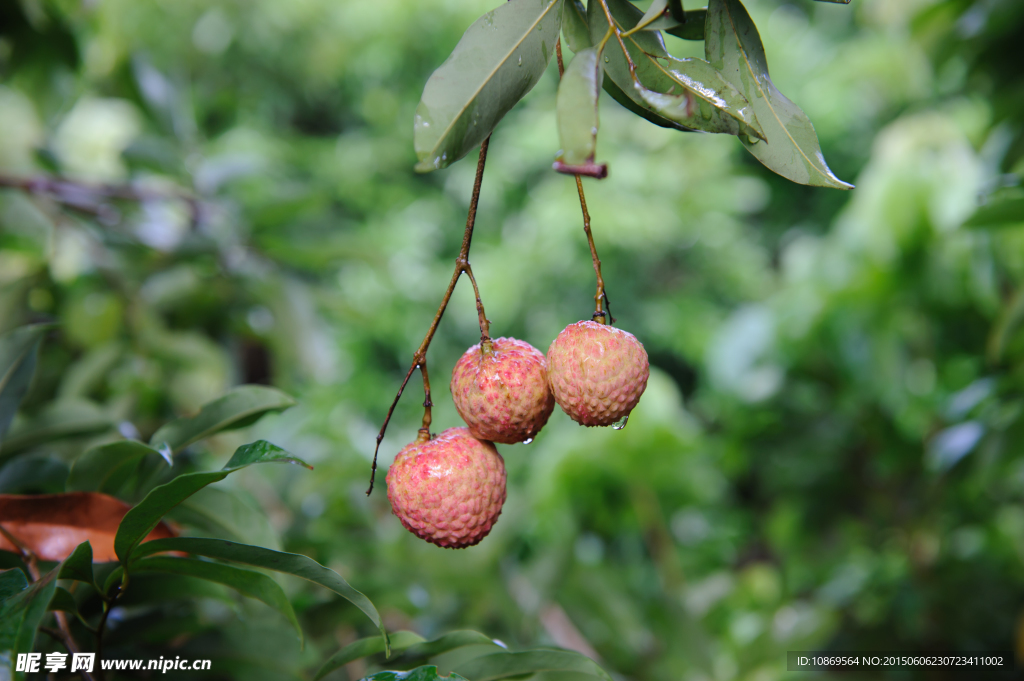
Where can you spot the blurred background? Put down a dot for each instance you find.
(829, 451)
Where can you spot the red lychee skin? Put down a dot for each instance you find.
(503, 396)
(597, 372)
(448, 490)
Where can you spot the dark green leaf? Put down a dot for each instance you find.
(419, 674)
(839, 2)
(693, 28)
(59, 420)
(578, 119)
(574, 25)
(106, 468)
(12, 581)
(239, 407)
(450, 641)
(78, 566)
(657, 17)
(506, 665)
(139, 521)
(791, 148)
(619, 96)
(248, 582)
(223, 514)
(663, 84)
(287, 563)
(18, 352)
(63, 600)
(20, 616)
(1003, 208)
(498, 60)
(364, 647)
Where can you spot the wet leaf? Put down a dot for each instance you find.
(574, 25)
(247, 582)
(791, 148)
(578, 119)
(146, 515)
(364, 647)
(53, 526)
(619, 96)
(428, 673)
(678, 83)
(693, 27)
(498, 60)
(238, 407)
(506, 665)
(18, 352)
(107, 467)
(286, 563)
(20, 616)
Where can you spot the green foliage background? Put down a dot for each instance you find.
(828, 452)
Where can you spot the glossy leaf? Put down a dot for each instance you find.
(287, 563)
(574, 25)
(658, 74)
(693, 27)
(107, 467)
(364, 647)
(429, 673)
(18, 352)
(53, 526)
(248, 582)
(703, 91)
(78, 566)
(1003, 208)
(20, 617)
(578, 119)
(146, 515)
(791, 148)
(238, 407)
(498, 60)
(59, 420)
(506, 665)
(616, 93)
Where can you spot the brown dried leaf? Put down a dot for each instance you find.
(52, 525)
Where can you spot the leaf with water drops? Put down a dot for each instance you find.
(498, 60)
(791, 148)
(693, 27)
(658, 17)
(577, 107)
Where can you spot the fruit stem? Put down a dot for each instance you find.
(600, 297)
(419, 358)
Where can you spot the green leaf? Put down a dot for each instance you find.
(63, 600)
(12, 582)
(791, 148)
(498, 60)
(59, 420)
(78, 566)
(704, 90)
(223, 514)
(622, 98)
(20, 616)
(364, 647)
(238, 407)
(450, 641)
(578, 120)
(419, 674)
(669, 88)
(287, 563)
(693, 27)
(107, 467)
(247, 582)
(141, 520)
(838, 2)
(658, 17)
(574, 25)
(18, 352)
(1003, 208)
(506, 665)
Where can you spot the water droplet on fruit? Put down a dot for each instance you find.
(527, 440)
(621, 423)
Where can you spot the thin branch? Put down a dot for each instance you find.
(419, 358)
(600, 296)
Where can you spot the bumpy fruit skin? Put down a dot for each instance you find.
(597, 372)
(448, 490)
(503, 396)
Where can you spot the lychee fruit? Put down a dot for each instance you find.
(448, 490)
(502, 393)
(597, 372)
